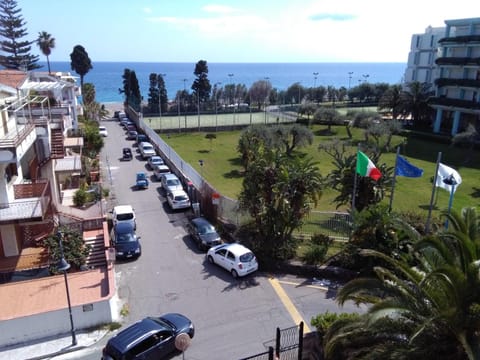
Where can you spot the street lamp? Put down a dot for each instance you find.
(350, 73)
(233, 99)
(267, 79)
(184, 93)
(216, 105)
(63, 265)
(315, 74)
(365, 76)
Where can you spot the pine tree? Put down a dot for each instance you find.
(15, 50)
(80, 62)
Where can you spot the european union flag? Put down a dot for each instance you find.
(404, 168)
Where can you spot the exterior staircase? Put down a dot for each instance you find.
(96, 258)
(57, 150)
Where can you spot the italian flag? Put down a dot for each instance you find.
(365, 167)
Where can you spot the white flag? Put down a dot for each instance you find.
(448, 178)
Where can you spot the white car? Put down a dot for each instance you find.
(154, 160)
(124, 213)
(178, 199)
(170, 182)
(160, 170)
(102, 130)
(235, 258)
(146, 150)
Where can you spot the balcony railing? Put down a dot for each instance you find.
(472, 83)
(460, 39)
(14, 138)
(458, 61)
(457, 103)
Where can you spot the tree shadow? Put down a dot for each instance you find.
(325, 132)
(203, 151)
(234, 174)
(475, 193)
(235, 161)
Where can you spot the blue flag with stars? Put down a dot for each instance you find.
(404, 168)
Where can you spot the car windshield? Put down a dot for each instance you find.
(173, 182)
(148, 147)
(247, 257)
(206, 229)
(122, 217)
(125, 238)
(181, 197)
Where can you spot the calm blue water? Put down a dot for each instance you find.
(107, 76)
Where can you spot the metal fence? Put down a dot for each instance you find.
(337, 225)
(287, 345)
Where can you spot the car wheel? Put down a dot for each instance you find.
(234, 273)
(210, 259)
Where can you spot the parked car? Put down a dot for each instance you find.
(146, 150)
(125, 241)
(131, 134)
(141, 181)
(127, 154)
(170, 182)
(178, 199)
(154, 160)
(131, 127)
(102, 130)
(150, 339)
(235, 258)
(203, 233)
(124, 213)
(141, 138)
(125, 121)
(159, 170)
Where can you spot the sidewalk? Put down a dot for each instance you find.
(52, 347)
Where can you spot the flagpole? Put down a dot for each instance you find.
(427, 224)
(394, 180)
(450, 203)
(354, 185)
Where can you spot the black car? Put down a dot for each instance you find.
(203, 233)
(150, 338)
(127, 154)
(126, 242)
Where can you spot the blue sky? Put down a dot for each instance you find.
(237, 31)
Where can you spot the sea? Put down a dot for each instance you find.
(107, 76)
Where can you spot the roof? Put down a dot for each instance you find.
(236, 248)
(13, 78)
(69, 163)
(122, 209)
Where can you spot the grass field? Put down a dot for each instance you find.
(221, 167)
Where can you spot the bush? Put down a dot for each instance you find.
(317, 249)
(80, 197)
(322, 322)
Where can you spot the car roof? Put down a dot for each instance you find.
(161, 167)
(135, 333)
(120, 209)
(170, 176)
(124, 227)
(200, 221)
(237, 249)
(177, 192)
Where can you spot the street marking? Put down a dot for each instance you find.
(299, 284)
(292, 310)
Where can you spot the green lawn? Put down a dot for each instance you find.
(221, 167)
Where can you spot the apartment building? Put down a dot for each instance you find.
(38, 112)
(421, 65)
(457, 100)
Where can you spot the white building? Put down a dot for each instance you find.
(457, 100)
(421, 65)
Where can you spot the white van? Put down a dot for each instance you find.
(124, 213)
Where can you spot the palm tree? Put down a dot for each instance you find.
(46, 43)
(435, 305)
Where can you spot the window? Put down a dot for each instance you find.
(230, 256)
(10, 171)
(221, 252)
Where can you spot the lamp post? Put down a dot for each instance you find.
(63, 265)
(267, 79)
(216, 104)
(350, 73)
(365, 76)
(184, 93)
(315, 74)
(160, 96)
(233, 96)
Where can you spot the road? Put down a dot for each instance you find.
(233, 318)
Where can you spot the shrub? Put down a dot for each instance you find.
(317, 249)
(322, 322)
(80, 197)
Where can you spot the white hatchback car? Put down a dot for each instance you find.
(102, 130)
(178, 199)
(235, 258)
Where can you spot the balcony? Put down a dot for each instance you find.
(454, 103)
(31, 202)
(464, 39)
(458, 61)
(470, 83)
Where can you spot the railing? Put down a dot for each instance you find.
(20, 135)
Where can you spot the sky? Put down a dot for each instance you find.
(246, 31)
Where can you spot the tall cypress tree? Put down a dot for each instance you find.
(15, 50)
(80, 62)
